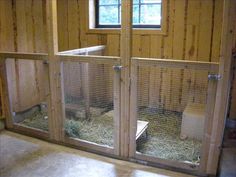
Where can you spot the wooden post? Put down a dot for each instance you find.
(116, 118)
(6, 96)
(221, 104)
(126, 51)
(210, 106)
(55, 104)
(86, 88)
(133, 108)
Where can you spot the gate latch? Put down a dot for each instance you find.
(117, 67)
(215, 77)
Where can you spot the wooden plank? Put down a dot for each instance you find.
(73, 24)
(89, 59)
(6, 94)
(183, 64)
(126, 52)
(56, 106)
(117, 106)
(178, 53)
(221, 103)
(209, 113)
(22, 56)
(113, 45)
(133, 108)
(155, 72)
(62, 15)
(216, 36)
(143, 73)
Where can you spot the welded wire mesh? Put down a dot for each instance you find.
(88, 90)
(28, 85)
(172, 103)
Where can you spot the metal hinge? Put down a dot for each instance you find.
(215, 77)
(117, 67)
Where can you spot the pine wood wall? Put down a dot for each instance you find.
(194, 32)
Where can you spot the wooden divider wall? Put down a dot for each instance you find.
(193, 33)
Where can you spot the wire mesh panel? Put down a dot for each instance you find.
(28, 86)
(171, 112)
(88, 92)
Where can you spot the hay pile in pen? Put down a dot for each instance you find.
(163, 132)
(98, 130)
(37, 120)
(164, 137)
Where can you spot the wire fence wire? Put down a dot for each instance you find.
(88, 90)
(29, 88)
(172, 103)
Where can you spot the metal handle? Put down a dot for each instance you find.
(215, 77)
(117, 67)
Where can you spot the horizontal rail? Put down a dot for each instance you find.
(182, 64)
(84, 50)
(90, 59)
(25, 56)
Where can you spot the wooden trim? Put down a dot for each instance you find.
(6, 93)
(209, 113)
(223, 87)
(30, 132)
(116, 100)
(18, 55)
(55, 113)
(89, 145)
(91, 29)
(182, 64)
(89, 59)
(84, 50)
(133, 109)
(125, 53)
(167, 163)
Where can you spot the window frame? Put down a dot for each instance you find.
(146, 26)
(88, 8)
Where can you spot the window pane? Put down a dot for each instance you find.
(136, 14)
(135, 1)
(150, 15)
(108, 2)
(108, 15)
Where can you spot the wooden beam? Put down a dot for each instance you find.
(5, 93)
(126, 52)
(20, 55)
(89, 59)
(182, 64)
(222, 95)
(55, 97)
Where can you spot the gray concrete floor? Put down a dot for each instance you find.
(227, 166)
(22, 156)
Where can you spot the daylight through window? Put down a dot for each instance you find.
(146, 13)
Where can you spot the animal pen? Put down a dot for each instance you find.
(149, 110)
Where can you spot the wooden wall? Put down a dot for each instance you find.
(194, 32)
(194, 28)
(23, 29)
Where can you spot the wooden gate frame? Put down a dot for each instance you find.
(126, 123)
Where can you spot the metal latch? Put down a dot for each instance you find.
(117, 67)
(215, 77)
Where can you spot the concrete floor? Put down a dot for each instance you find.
(22, 156)
(227, 166)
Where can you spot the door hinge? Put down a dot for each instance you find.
(215, 77)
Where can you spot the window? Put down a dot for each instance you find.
(146, 13)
